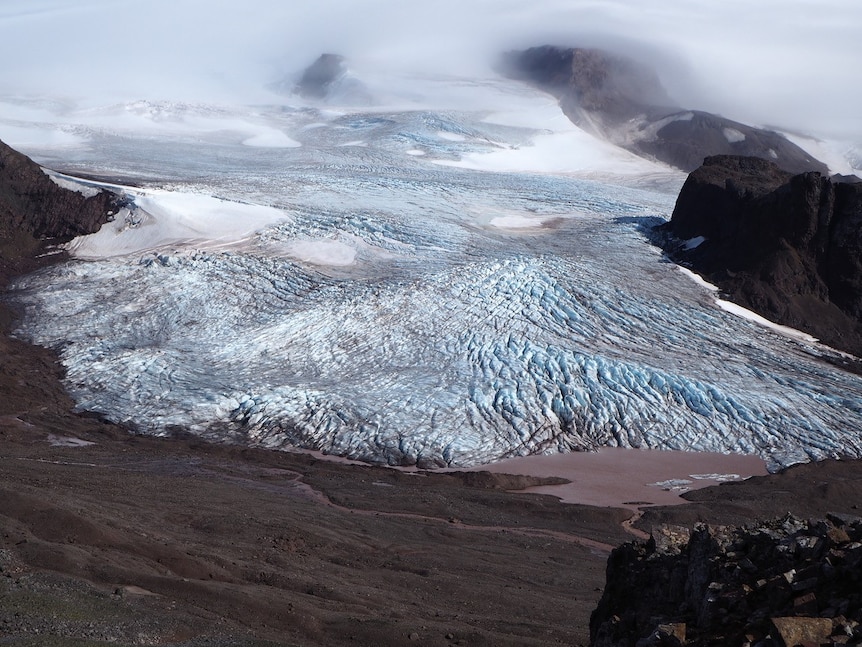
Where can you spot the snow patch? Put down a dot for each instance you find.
(733, 136)
(271, 138)
(67, 441)
(161, 219)
(70, 184)
(27, 139)
(832, 153)
(693, 243)
(697, 278)
(674, 485)
(739, 311)
(322, 252)
(721, 478)
(516, 222)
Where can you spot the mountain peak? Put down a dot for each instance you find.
(623, 101)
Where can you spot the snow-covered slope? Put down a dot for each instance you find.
(411, 285)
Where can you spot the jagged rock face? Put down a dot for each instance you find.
(319, 76)
(788, 247)
(624, 102)
(31, 203)
(590, 80)
(329, 80)
(785, 582)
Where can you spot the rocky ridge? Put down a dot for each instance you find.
(32, 203)
(36, 212)
(328, 80)
(624, 102)
(786, 246)
(786, 582)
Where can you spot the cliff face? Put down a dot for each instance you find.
(35, 210)
(318, 78)
(31, 202)
(624, 102)
(328, 80)
(785, 582)
(786, 246)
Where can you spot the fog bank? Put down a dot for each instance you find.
(792, 63)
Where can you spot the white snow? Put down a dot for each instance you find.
(72, 184)
(451, 137)
(733, 136)
(25, 137)
(693, 243)
(557, 147)
(415, 152)
(674, 485)
(271, 138)
(67, 441)
(408, 328)
(739, 311)
(721, 478)
(179, 220)
(831, 152)
(697, 278)
(516, 222)
(322, 252)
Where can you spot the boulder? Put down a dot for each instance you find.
(734, 585)
(803, 631)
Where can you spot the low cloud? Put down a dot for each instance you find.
(791, 63)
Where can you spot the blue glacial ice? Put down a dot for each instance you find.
(478, 315)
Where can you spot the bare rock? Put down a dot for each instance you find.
(624, 102)
(729, 586)
(32, 203)
(803, 631)
(786, 246)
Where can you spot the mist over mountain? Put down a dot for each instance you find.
(624, 102)
(743, 62)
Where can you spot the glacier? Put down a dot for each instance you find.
(410, 286)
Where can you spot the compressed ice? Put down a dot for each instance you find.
(482, 300)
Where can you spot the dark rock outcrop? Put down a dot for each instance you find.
(31, 203)
(328, 79)
(36, 212)
(318, 77)
(784, 582)
(623, 101)
(786, 246)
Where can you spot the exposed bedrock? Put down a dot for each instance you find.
(329, 80)
(624, 101)
(32, 203)
(786, 246)
(318, 78)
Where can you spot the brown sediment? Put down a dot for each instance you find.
(629, 478)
